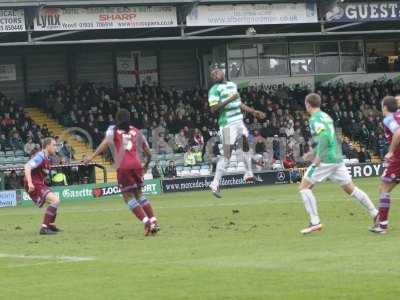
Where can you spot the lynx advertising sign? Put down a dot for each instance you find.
(93, 18)
(253, 14)
(365, 11)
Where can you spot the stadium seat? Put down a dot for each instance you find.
(195, 172)
(205, 172)
(178, 156)
(9, 153)
(19, 153)
(241, 167)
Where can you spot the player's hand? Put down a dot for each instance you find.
(31, 187)
(389, 155)
(308, 156)
(317, 161)
(259, 114)
(145, 168)
(86, 161)
(234, 96)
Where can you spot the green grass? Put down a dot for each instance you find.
(205, 250)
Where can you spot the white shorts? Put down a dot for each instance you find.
(233, 132)
(335, 172)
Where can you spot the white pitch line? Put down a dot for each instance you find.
(47, 257)
(218, 203)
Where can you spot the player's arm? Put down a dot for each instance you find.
(103, 145)
(255, 113)
(33, 163)
(146, 152)
(394, 144)
(100, 149)
(322, 142)
(394, 127)
(28, 177)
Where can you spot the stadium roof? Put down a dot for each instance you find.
(24, 3)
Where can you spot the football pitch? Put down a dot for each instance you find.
(244, 246)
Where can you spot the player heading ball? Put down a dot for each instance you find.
(224, 99)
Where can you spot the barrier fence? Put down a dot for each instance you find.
(89, 192)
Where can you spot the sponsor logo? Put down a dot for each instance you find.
(106, 191)
(8, 198)
(281, 176)
(187, 184)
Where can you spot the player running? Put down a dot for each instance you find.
(327, 164)
(36, 170)
(126, 141)
(391, 175)
(224, 98)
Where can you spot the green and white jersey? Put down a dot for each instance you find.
(221, 92)
(323, 132)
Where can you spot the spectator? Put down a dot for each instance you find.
(156, 171)
(181, 141)
(381, 146)
(190, 158)
(29, 147)
(288, 162)
(16, 142)
(353, 154)
(162, 146)
(12, 181)
(363, 156)
(84, 171)
(206, 136)
(260, 147)
(170, 170)
(198, 139)
(67, 152)
(4, 143)
(276, 148)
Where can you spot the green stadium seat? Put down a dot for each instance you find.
(19, 153)
(9, 153)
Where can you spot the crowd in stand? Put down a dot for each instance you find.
(181, 122)
(21, 136)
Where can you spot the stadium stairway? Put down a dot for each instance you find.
(79, 147)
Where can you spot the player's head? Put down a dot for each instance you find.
(389, 105)
(217, 75)
(312, 102)
(49, 144)
(123, 118)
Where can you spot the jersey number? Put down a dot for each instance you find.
(127, 142)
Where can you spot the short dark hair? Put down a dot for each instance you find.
(390, 103)
(314, 100)
(46, 141)
(122, 115)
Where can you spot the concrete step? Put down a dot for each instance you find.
(80, 148)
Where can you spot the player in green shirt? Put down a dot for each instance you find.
(224, 99)
(327, 163)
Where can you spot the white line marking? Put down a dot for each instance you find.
(47, 257)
